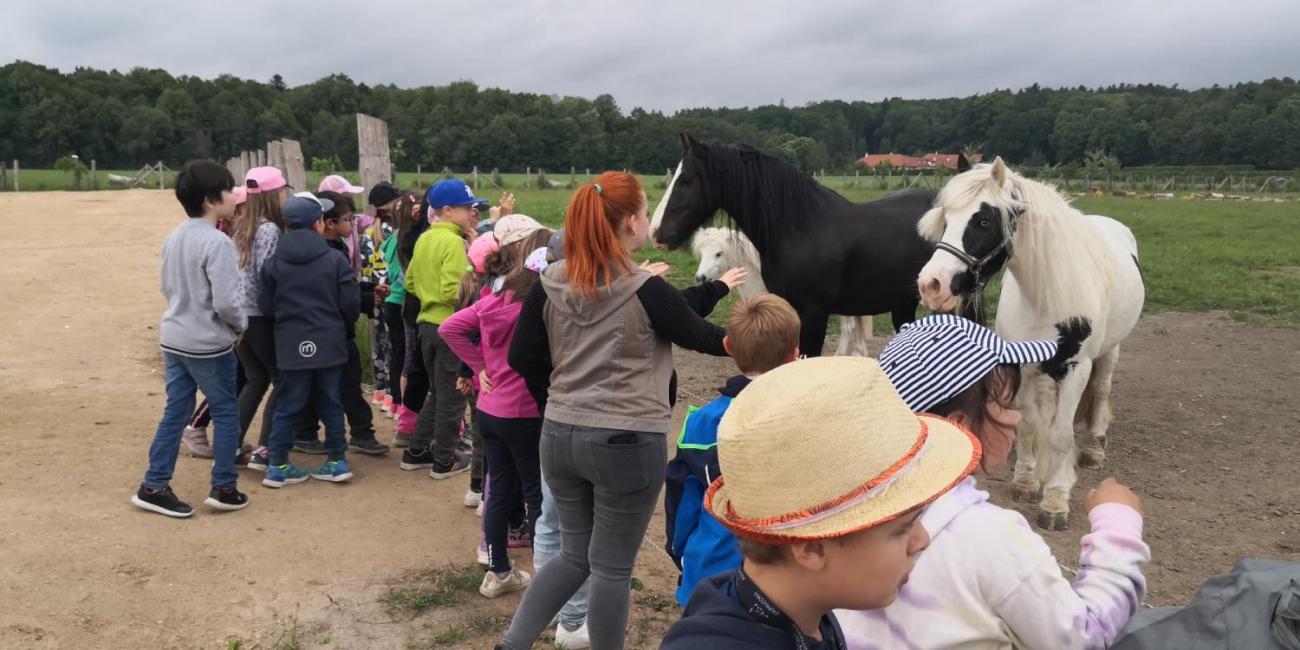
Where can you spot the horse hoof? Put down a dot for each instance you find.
(1053, 520)
(1024, 494)
(1092, 458)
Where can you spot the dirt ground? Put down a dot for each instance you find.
(1205, 431)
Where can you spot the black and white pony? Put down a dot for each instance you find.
(1070, 277)
(821, 252)
(720, 249)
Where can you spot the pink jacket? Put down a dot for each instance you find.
(494, 318)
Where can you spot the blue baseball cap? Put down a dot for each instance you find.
(454, 193)
(301, 211)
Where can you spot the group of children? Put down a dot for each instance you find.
(798, 502)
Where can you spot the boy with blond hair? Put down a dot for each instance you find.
(762, 334)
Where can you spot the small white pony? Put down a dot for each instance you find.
(1071, 277)
(719, 249)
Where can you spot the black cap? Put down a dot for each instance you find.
(383, 193)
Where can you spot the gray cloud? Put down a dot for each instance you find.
(672, 54)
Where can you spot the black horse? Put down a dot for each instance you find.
(821, 252)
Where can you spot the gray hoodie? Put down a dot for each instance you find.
(611, 369)
(200, 281)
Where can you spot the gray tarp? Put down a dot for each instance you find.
(1254, 607)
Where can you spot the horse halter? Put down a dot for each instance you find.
(975, 265)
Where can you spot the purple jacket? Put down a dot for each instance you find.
(494, 317)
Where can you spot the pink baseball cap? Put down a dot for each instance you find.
(480, 249)
(264, 179)
(336, 183)
(514, 228)
(241, 194)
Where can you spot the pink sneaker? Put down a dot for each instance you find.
(520, 537)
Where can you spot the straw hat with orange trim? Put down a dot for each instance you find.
(869, 457)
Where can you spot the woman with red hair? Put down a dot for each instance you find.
(594, 344)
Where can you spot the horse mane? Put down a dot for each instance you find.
(1067, 267)
(739, 251)
(773, 197)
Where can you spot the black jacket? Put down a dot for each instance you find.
(311, 294)
(715, 620)
(367, 303)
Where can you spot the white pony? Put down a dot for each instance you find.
(1071, 277)
(719, 249)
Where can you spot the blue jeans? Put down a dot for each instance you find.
(216, 378)
(546, 545)
(296, 387)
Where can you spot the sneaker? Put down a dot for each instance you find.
(389, 406)
(335, 471)
(572, 639)
(459, 465)
(402, 439)
(483, 557)
(413, 459)
(377, 397)
(519, 537)
(368, 446)
(278, 476)
(313, 447)
(162, 501)
(242, 459)
(473, 499)
(495, 586)
(479, 510)
(258, 461)
(227, 498)
(196, 442)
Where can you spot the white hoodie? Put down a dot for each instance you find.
(989, 581)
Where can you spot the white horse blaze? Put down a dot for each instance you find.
(720, 249)
(1066, 264)
(658, 217)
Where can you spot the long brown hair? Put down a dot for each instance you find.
(593, 254)
(261, 206)
(998, 387)
(520, 278)
(404, 221)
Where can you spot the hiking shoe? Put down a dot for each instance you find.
(413, 459)
(196, 442)
(162, 501)
(335, 471)
(368, 446)
(482, 554)
(459, 465)
(257, 460)
(226, 498)
(495, 586)
(313, 447)
(572, 639)
(473, 499)
(519, 537)
(278, 476)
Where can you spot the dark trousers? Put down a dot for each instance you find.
(397, 348)
(295, 388)
(510, 448)
(438, 426)
(417, 378)
(257, 356)
(360, 417)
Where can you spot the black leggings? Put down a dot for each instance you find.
(397, 348)
(202, 415)
(257, 356)
(511, 449)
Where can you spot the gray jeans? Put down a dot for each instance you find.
(606, 486)
(438, 426)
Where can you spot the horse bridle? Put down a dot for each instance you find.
(975, 265)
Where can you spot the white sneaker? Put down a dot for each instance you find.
(479, 510)
(473, 499)
(494, 586)
(574, 640)
(482, 554)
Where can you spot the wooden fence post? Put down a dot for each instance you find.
(94, 180)
(419, 176)
(295, 171)
(2, 175)
(474, 175)
(161, 184)
(528, 176)
(16, 187)
(372, 144)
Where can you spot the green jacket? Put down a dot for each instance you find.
(396, 278)
(437, 265)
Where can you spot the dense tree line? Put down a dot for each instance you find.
(126, 119)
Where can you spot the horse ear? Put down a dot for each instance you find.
(999, 171)
(963, 165)
(687, 142)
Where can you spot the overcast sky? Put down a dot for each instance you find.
(672, 54)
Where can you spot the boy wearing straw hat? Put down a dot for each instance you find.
(843, 536)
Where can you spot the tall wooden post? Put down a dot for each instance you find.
(419, 176)
(372, 145)
(162, 185)
(295, 171)
(94, 180)
(16, 184)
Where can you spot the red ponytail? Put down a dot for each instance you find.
(593, 254)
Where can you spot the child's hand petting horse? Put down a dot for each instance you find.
(1112, 491)
(734, 277)
(659, 269)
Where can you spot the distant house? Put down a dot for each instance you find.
(931, 160)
